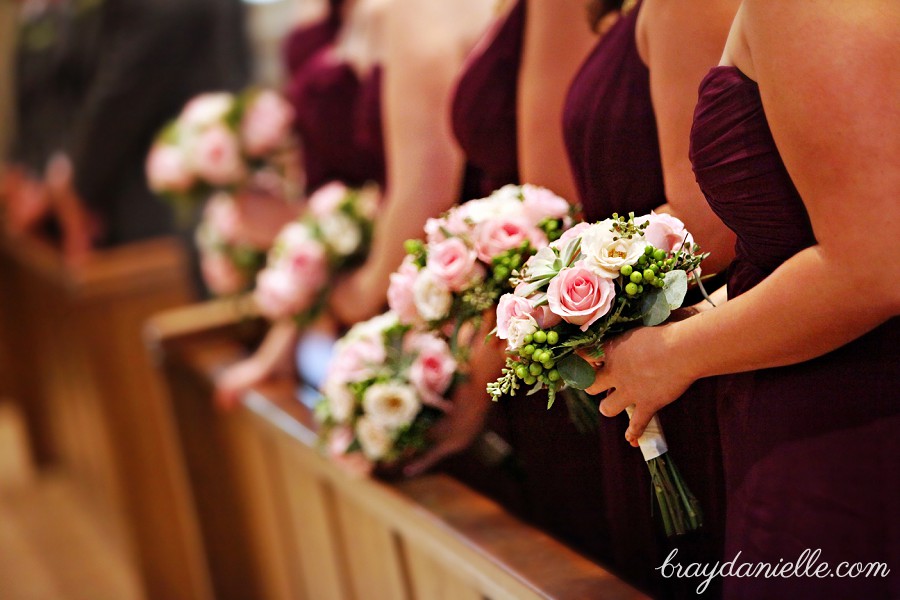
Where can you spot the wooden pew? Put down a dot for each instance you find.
(94, 401)
(282, 522)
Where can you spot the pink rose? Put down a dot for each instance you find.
(307, 262)
(540, 203)
(167, 170)
(510, 307)
(220, 275)
(327, 199)
(432, 370)
(354, 359)
(453, 263)
(665, 231)
(496, 236)
(400, 294)
(217, 157)
(545, 317)
(570, 234)
(279, 294)
(453, 223)
(580, 296)
(222, 214)
(266, 124)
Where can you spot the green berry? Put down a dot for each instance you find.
(548, 364)
(535, 369)
(631, 289)
(642, 260)
(540, 337)
(528, 350)
(552, 225)
(521, 371)
(649, 275)
(626, 270)
(655, 268)
(530, 380)
(553, 375)
(552, 338)
(640, 289)
(659, 254)
(636, 277)
(648, 250)
(529, 338)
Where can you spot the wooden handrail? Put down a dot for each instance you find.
(316, 531)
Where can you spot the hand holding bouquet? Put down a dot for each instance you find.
(333, 235)
(470, 252)
(385, 387)
(220, 142)
(597, 281)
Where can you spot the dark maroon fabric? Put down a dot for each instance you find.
(611, 137)
(484, 106)
(811, 450)
(610, 129)
(338, 119)
(302, 43)
(548, 481)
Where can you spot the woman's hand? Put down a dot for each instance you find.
(636, 371)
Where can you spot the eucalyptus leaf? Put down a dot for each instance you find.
(675, 288)
(576, 372)
(655, 308)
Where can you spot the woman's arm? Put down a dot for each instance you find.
(679, 47)
(427, 43)
(829, 85)
(557, 40)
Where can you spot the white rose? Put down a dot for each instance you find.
(605, 252)
(376, 441)
(432, 297)
(340, 400)
(391, 405)
(341, 233)
(206, 110)
(517, 329)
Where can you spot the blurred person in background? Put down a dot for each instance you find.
(95, 80)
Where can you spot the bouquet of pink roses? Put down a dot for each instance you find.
(334, 234)
(229, 261)
(470, 252)
(384, 388)
(596, 281)
(222, 142)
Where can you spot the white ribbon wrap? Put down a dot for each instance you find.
(652, 441)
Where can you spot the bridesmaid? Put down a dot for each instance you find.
(805, 178)
(626, 130)
(334, 86)
(487, 125)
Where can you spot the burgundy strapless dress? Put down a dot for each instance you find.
(557, 491)
(611, 138)
(812, 454)
(338, 119)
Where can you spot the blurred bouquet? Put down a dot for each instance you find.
(465, 264)
(229, 261)
(222, 141)
(384, 388)
(597, 281)
(334, 234)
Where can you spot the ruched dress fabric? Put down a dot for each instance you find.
(337, 110)
(552, 460)
(611, 138)
(811, 450)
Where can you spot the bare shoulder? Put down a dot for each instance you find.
(668, 23)
(438, 25)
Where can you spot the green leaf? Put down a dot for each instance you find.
(655, 308)
(675, 288)
(576, 372)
